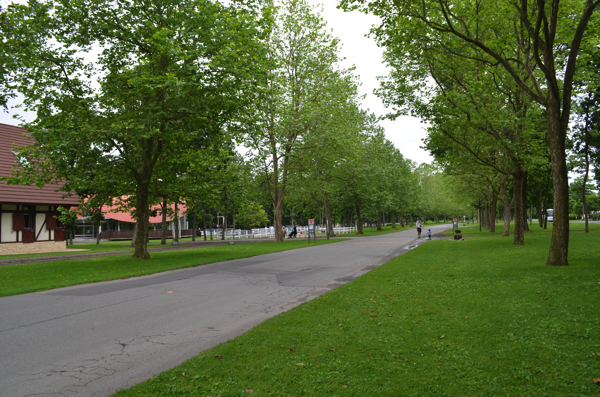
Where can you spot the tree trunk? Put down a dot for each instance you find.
(328, 214)
(493, 209)
(506, 205)
(277, 221)
(97, 231)
(539, 208)
(485, 212)
(556, 136)
(525, 206)
(393, 219)
(379, 224)
(204, 222)
(176, 224)
(519, 237)
(359, 221)
(163, 223)
(233, 227)
(142, 213)
(401, 219)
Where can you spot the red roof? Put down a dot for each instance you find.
(113, 212)
(11, 137)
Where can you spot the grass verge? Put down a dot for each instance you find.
(41, 276)
(472, 230)
(105, 246)
(479, 317)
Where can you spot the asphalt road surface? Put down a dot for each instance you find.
(95, 339)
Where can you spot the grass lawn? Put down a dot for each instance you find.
(479, 317)
(105, 246)
(32, 277)
(471, 230)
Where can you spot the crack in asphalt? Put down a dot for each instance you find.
(93, 369)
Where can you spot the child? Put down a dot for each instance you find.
(429, 233)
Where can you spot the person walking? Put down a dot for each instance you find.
(429, 233)
(419, 226)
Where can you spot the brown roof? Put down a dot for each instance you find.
(11, 137)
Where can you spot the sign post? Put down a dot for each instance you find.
(454, 224)
(311, 230)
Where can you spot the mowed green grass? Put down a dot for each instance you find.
(479, 317)
(41, 276)
(471, 230)
(104, 246)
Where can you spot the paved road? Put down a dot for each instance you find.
(94, 339)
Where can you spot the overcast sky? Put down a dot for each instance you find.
(351, 27)
(407, 132)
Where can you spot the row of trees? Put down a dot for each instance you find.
(147, 104)
(501, 80)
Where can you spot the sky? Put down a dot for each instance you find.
(351, 28)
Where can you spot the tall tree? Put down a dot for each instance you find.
(303, 54)
(168, 72)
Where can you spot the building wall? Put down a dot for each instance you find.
(8, 235)
(40, 227)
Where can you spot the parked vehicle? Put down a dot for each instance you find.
(550, 215)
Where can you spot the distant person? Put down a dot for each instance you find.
(429, 233)
(419, 226)
(294, 232)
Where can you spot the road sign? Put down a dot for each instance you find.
(311, 230)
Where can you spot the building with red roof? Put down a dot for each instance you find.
(27, 212)
(117, 219)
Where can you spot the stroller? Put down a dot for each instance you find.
(294, 233)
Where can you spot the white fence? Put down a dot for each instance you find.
(269, 232)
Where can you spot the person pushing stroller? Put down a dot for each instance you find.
(294, 232)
